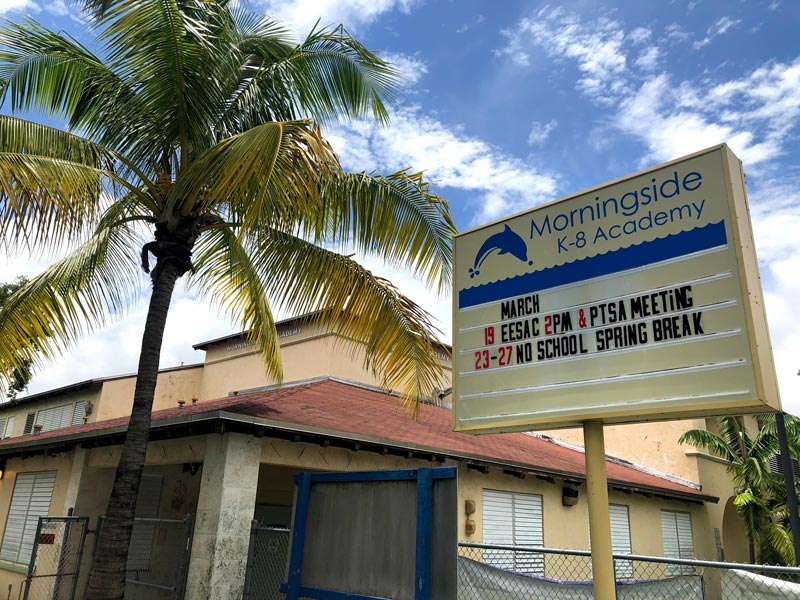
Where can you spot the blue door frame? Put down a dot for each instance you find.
(422, 570)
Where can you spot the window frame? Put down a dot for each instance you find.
(32, 507)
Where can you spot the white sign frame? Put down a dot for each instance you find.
(669, 251)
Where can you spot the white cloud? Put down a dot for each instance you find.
(450, 158)
(648, 59)
(467, 26)
(640, 35)
(675, 33)
(25, 6)
(720, 27)
(301, 15)
(596, 50)
(540, 132)
(775, 212)
(755, 114)
(411, 67)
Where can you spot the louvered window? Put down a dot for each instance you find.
(29, 423)
(512, 519)
(30, 500)
(55, 418)
(776, 467)
(621, 539)
(676, 529)
(79, 413)
(9, 427)
(148, 501)
(2, 427)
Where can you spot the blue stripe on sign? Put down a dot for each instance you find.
(672, 246)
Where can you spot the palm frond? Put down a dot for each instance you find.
(333, 75)
(327, 77)
(44, 70)
(777, 546)
(26, 137)
(225, 276)
(47, 201)
(366, 310)
(708, 440)
(395, 217)
(97, 281)
(266, 175)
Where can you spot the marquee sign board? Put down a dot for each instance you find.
(636, 300)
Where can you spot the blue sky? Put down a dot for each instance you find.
(508, 104)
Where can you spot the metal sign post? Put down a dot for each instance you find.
(599, 517)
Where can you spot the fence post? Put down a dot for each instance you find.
(79, 561)
(32, 563)
(248, 573)
(96, 533)
(180, 589)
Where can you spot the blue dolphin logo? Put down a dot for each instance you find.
(505, 242)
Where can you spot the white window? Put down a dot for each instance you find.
(513, 519)
(9, 427)
(676, 529)
(55, 418)
(621, 539)
(30, 500)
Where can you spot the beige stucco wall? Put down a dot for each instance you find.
(116, 399)
(306, 354)
(653, 445)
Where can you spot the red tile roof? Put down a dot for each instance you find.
(342, 408)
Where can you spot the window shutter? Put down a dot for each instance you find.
(30, 500)
(80, 412)
(676, 529)
(9, 427)
(55, 418)
(2, 427)
(621, 539)
(29, 423)
(513, 520)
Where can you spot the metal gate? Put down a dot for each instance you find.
(266, 563)
(158, 558)
(56, 558)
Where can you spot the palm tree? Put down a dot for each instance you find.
(194, 138)
(761, 498)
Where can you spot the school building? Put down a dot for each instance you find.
(225, 444)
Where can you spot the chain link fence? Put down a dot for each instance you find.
(158, 558)
(488, 572)
(266, 563)
(55, 558)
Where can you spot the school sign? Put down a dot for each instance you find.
(637, 300)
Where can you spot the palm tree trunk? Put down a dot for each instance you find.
(108, 575)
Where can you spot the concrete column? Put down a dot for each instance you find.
(225, 510)
(79, 460)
